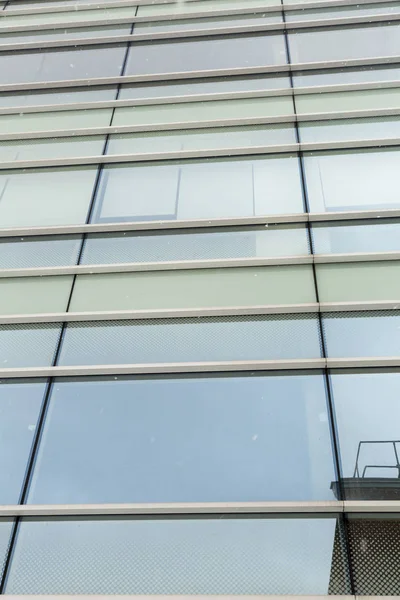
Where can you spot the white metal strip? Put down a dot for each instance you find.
(205, 97)
(200, 367)
(137, 38)
(125, 226)
(184, 313)
(175, 508)
(196, 125)
(205, 74)
(198, 154)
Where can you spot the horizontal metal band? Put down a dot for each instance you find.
(200, 367)
(197, 508)
(205, 97)
(198, 154)
(195, 125)
(176, 508)
(184, 313)
(216, 263)
(186, 597)
(282, 219)
(137, 38)
(131, 3)
(205, 74)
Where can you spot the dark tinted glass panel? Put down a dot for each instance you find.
(185, 440)
(173, 556)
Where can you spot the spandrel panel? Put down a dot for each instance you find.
(179, 556)
(20, 403)
(20, 295)
(199, 190)
(209, 23)
(45, 35)
(167, 245)
(65, 16)
(350, 100)
(367, 417)
(194, 288)
(63, 96)
(201, 55)
(350, 129)
(52, 148)
(48, 121)
(28, 345)
(46, 251)
(202, 139)
(347, 43)
(37, 66)
(37, 197)
(159, 430)
(359, 281)
(362, 334)
(191, 340)
(352, 180)
(369, 73)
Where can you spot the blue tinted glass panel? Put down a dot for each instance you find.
(185, 440)
(28, 345)
(6, 526)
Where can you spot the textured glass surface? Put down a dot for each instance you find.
(20, 404)
(205, 86)
(198, 55)
(202, 139)
(346, 43)
(352, 180)
(194, 288)
(368, 412)
(204, 111)
(199, 190)
(46, 251)
(350, 129)
(185, 440)
(35, 98)
(63, 64)
(362, 334)
(191, 340)
(28, 345)
(379, 235)
(359, 281)
(198, 244)
(174, 556)
(6, 526)
(34, 294)
(350, 100)
(45, 196)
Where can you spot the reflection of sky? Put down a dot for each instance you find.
(192, 439)
(367, 408)
(210, 556)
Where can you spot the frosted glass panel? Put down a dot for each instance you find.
(34, 294)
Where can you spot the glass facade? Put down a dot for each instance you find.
(199, 298)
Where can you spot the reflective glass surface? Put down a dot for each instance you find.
(191, 340)
(20, 404)
(30, 295)
(378, 235)
(350, 129)
(45, 251)
(193, 439)
(6, 526)
(177, 556)
(28, 345)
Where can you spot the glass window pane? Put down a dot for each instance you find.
(35, 98)
(177, 556)
(198, 288)
(210, 23)
(307, 14)
(49, 251)
(20, 404)
(362, 334)
(6, 527)
(346, 75)
(380, 235)
(203, 111)
(197, 244)
(367, 413)
(346, 43)
(358, 281)
(45, 196)
(351, 100)
(199, 190)
(20, 295)
(198, 55)
(46, 35)
(63, 17)
(352, 180)
(205, 86)
(62, 64)
(350, 129)
(191, 340)
(50, 148)
(28, 345)
(200, 6)
(70, 119)
(159, 431)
